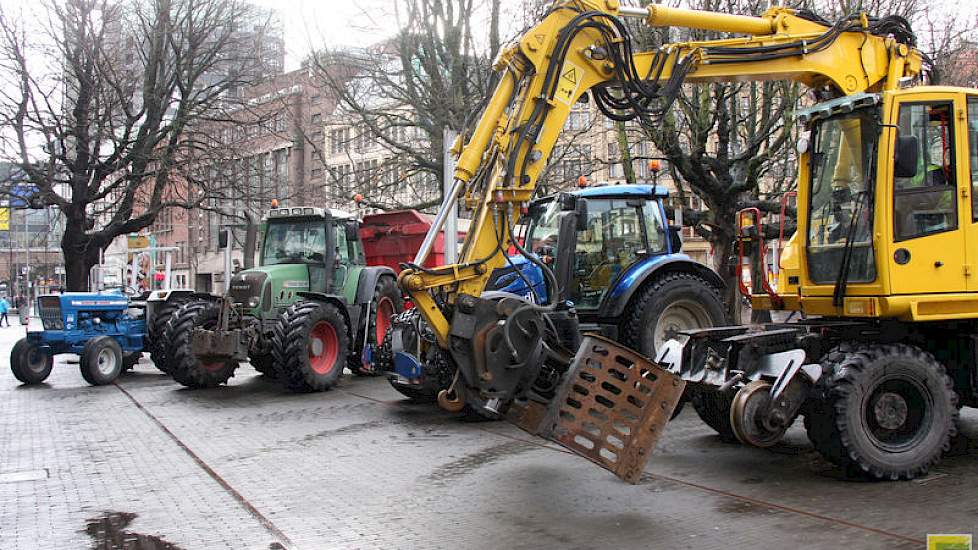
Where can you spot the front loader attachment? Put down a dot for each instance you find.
(611, 407)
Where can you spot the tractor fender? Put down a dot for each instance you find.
(637, 275)
(365, 294)
(337, 301)
(368, 280)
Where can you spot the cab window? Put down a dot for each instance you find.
(613, 241)
(973, 153)
(341, 263)
(927, 202)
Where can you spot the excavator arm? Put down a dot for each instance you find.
(584, 45)
(517, 359)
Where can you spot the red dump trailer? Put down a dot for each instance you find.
(392, 238)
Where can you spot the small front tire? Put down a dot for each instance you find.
(29, 363)
(101, 361)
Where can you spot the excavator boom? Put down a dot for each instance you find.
(583, 45)
(507, 352)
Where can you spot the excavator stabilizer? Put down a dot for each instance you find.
(611, 407)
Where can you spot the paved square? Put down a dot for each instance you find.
(149, 464)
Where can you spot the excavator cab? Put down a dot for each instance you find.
(883, 224)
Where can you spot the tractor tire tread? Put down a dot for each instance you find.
(632, 331)
(183, 365)
(851, 368)
(291, 343)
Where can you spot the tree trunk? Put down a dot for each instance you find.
(81, 252)
(725, 264)
(77, 268)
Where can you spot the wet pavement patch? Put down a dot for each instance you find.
(473, 461)
(108, 532)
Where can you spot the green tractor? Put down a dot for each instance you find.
(311, 308)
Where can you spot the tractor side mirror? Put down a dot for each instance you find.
(676, 238)
(352, 229)
(581, 210)
(222, 239)
(906, 157)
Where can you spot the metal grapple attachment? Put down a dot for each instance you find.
(611, 407)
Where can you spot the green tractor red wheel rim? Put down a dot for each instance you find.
(323, 347)
(385, 312)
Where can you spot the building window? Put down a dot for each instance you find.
(317, 173)
(339, 140)
(317, 118)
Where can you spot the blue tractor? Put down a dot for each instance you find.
(619, 268)
(106, 329)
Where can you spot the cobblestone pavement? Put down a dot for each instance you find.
(247, 466)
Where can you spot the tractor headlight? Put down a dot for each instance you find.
(253, 302)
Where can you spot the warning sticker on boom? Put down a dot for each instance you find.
(570, 80)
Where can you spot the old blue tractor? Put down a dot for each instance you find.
(619, 269)
(108, 327)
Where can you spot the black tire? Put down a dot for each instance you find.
(387, 302)
(184, 366)
(101, 361)
(883, 411)
(691, 301)
(713, 408)
(130, 360)
(29, 363)
(293, 344)
(156, 329)
(264, 363)
(415, 394)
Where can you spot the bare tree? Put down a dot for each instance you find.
(399, 98)
(109, 113)
(727, 144)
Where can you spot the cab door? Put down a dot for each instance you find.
(969, 194)
(928, 240)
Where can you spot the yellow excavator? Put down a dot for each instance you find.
(880, 265)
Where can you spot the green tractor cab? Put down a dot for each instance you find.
(308, 256)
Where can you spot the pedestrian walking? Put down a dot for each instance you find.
(4, 308)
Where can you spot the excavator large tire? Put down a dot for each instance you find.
(185, 367)
(883, 411)
(311, 345)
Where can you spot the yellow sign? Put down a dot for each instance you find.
(949, 542)
(570, 80)
(4, 219)
(138, 241)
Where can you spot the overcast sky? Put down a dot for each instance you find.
(337, 23)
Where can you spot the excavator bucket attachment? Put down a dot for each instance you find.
(611, 408)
